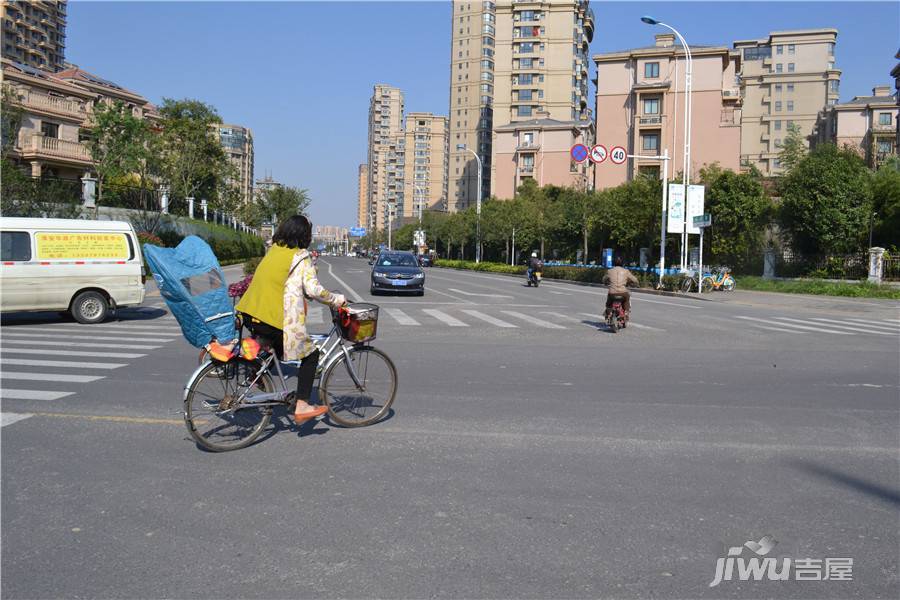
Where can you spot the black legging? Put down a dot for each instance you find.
(274, 337)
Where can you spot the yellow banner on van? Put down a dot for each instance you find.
(76, 246)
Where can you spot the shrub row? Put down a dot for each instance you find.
(226, 244)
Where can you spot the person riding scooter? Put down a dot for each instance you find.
(618, 279)
(535, 267)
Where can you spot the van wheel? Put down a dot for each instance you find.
(90, 307)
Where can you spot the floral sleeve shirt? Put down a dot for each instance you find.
(302, 283)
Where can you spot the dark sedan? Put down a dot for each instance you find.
(397, 272)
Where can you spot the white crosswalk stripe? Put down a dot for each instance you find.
(401, 317)
(790, 331)
(90, 331)
(532, 320)
(26, 342)
(7, 394)
(444, 317)
(27, 362)
(45, 352)
(48, 377)
(602, 319)
(880, 324)
(10, 418)
(771, 323)
(489, 319)
(858, 327)
(81, 337)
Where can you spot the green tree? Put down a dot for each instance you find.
(826, 202)
(579, 211)
(281, 201)
(794, 148)
(741, 212)
(119, 142)
(632, 213)
(886, 195)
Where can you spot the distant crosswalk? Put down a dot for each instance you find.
(51, 361)
(842, 326)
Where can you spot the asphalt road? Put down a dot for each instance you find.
(531, 453)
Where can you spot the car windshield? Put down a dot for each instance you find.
(397, 260)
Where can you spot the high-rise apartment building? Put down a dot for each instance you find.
(640, 107)
(425, 175)
(470, 120)
(34, 33)
(385, 155)
(237, 142)
(362, 195)
(786, 79)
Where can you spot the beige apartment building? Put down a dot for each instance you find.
(362, 195)
(237, 142)
(867, 124)
(895, 73)
(34, 33)
(786, 79)
(385, 155)
(425, 174)
(511, 60)
(640, 107)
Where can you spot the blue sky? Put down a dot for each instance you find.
(300, 73)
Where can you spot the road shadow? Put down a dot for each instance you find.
(858, 484)
(14, 319)
(599, 325)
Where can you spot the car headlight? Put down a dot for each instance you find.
(380, 274)
(418, 275)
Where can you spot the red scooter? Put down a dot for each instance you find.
(616, 317)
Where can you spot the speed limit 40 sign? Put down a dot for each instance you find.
(618, 155)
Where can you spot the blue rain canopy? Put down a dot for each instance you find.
(193, 285)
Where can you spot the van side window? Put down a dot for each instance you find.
(130, 247)
(15, 246)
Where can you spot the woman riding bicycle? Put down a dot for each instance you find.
(274, 306)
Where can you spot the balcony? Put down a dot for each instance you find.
(880, 128)
(38, 146)
(527, 169)
(589, 23)
(528, 146)
(53, 105)
(731, 93)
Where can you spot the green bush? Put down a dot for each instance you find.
(250, 265)
(863, 289)
(170, 238)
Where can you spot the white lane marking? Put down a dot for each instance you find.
(117, 338)
(463, 300)
(441, 316)
(881, 324)
(8, 394)
(314, 315)
(79, 345)
(602, 319)
(139, 329)
(49, 377)
(488, 318)
(349, 290)
(24, 362)
(634, 297)
(790, 331)
(44, 352)
(791, 325)
(401, 317)
(10, 418)
(858, 327)
(560, 293)
(481, 295)
(532, 320)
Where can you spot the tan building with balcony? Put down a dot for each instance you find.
(867, 124)
(895, 73)
(786, 79)
(509, 61)
(538, 149)
(34, 33)
(385, 154)
(425, 173)
(237, 142)
(362, 194)
(53, 114)
(640, 108)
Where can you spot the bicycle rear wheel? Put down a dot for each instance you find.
(350, 406)
(687, 284)
(706, 285)
(214, 412)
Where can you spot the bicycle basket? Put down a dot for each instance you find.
(359, 323)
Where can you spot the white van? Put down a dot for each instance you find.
(88, 268)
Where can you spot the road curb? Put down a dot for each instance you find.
(647, 291)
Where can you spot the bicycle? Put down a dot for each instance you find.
(722, 279)
(228, 405)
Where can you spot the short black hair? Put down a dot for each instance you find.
(294, 232)
(617, 261)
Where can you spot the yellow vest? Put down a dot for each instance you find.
(264, 299)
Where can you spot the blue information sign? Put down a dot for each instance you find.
(357, 231)
(608, 258)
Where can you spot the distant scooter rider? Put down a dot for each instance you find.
(535, 265)
(618, 279)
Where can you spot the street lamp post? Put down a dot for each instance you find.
(464, 148)
(686, 174)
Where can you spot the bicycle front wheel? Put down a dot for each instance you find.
(214, 407)
(687, 284)
(706, 285)
(350, 405)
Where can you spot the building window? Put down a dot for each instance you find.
(487, 88)
(526, 48)
(651, 106)
(790, 87)
(650, 141)
(779, 68)
(758, 53)
(525, 63)
(651, 70)
(792, 49)
(884, 118)
(487, 64)
(834, 85)
(790, 106)
(779, 49)
(524, 111)
(830, 48)
(523, 79)
(524, 94)
(777, 125)
(790, 67)
(778, 88)
(790, 123)
(778, 106)
(778, 142)
(50, 130)
(885, 147)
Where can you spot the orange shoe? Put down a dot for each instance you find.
(317, 411)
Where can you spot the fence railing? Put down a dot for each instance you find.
(848, 266)
(891, 269)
